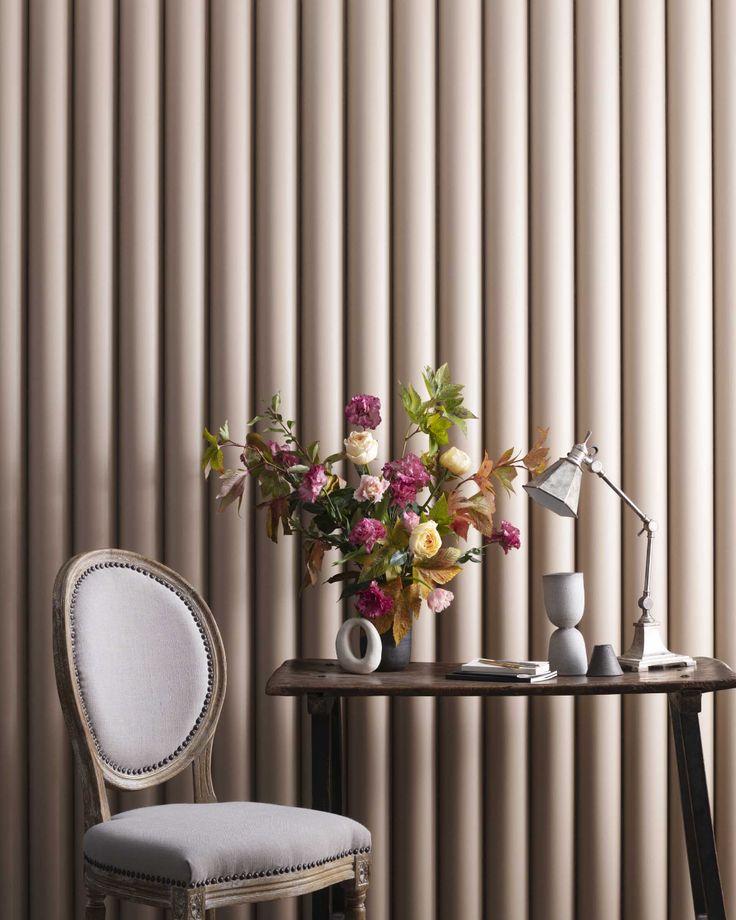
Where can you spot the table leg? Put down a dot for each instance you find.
(699, 838)
(327, 780)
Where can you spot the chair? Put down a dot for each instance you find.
(140, 669)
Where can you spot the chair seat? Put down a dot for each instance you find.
(201, 844)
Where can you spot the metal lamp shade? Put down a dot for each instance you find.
(558, 488)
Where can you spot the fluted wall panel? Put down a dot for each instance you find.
(598, 407)
(644, 393)
(202, 203)
(724, 342)
(13, 649)
(552, 396)
(368, 337)
(413, 331)
(507, 422)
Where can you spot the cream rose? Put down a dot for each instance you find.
(361, 447)
(455, 461)
(425, 540)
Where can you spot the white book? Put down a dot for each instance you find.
(502, 666)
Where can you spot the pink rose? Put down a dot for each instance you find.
(439, 599)
(410, 519)
(371, 489)
(314, 480)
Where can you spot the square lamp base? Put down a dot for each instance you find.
(648, 651)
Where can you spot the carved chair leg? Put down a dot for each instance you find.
(187, 905)
(95, 904)
(357, 888)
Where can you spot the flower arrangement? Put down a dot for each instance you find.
(399, 530)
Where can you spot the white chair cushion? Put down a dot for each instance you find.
(198, 844)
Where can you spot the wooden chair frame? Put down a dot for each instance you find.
(185, 903)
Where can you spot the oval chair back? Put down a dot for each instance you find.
(140, 670)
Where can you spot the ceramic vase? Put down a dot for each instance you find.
(371, 647)
(393, 657)
(564, 601)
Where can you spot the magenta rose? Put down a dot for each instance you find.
(364, 410)
(283, 455)
(407, 477)
(373, 602)
(367, 532)
(507, 536)
(313, 483)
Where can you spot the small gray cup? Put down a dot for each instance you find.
(604, 663)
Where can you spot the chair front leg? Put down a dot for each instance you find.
(357, 888)
(94, 908)
(187, 904)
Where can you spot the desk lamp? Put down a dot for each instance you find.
(558, 489)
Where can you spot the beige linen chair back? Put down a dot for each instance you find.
(141, 673)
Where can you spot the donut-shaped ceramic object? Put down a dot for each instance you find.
(348, 660)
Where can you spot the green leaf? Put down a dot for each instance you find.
(440, 513)
(276, 402)
(225, 432)
(334, 458)
(437, 427)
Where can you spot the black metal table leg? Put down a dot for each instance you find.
(326, 715)
(702, 858)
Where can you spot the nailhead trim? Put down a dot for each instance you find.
(243, 876)
(139, 771)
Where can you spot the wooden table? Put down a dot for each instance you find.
(324, 684)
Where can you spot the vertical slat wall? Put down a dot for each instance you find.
(552, 393)
(598, 407)
(203, 203)
(506, 419)
(644, 430)
(93, 305)
(414, 248)
(368, 352)
(724, 339)
(50, 432)
(229, 285)
(276, 369)
(13, 739)
(690, 363)
(459, 256)
(138, 334)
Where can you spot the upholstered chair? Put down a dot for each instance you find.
(140, 669)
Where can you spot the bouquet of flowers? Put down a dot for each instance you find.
(399, 531)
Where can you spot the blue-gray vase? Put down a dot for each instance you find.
(393, 657)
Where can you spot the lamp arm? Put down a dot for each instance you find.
(650, 528)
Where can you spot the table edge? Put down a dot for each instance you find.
(470, 689)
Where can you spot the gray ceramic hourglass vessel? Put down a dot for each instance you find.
(564, 601)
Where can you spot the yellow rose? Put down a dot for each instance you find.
(361, 447)
(425, 540)
(455, 461)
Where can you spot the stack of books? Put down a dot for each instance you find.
(531, 672)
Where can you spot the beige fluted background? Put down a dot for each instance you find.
(203, 202)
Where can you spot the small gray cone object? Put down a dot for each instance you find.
(603, 662)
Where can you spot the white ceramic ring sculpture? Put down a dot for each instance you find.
(349, 661)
